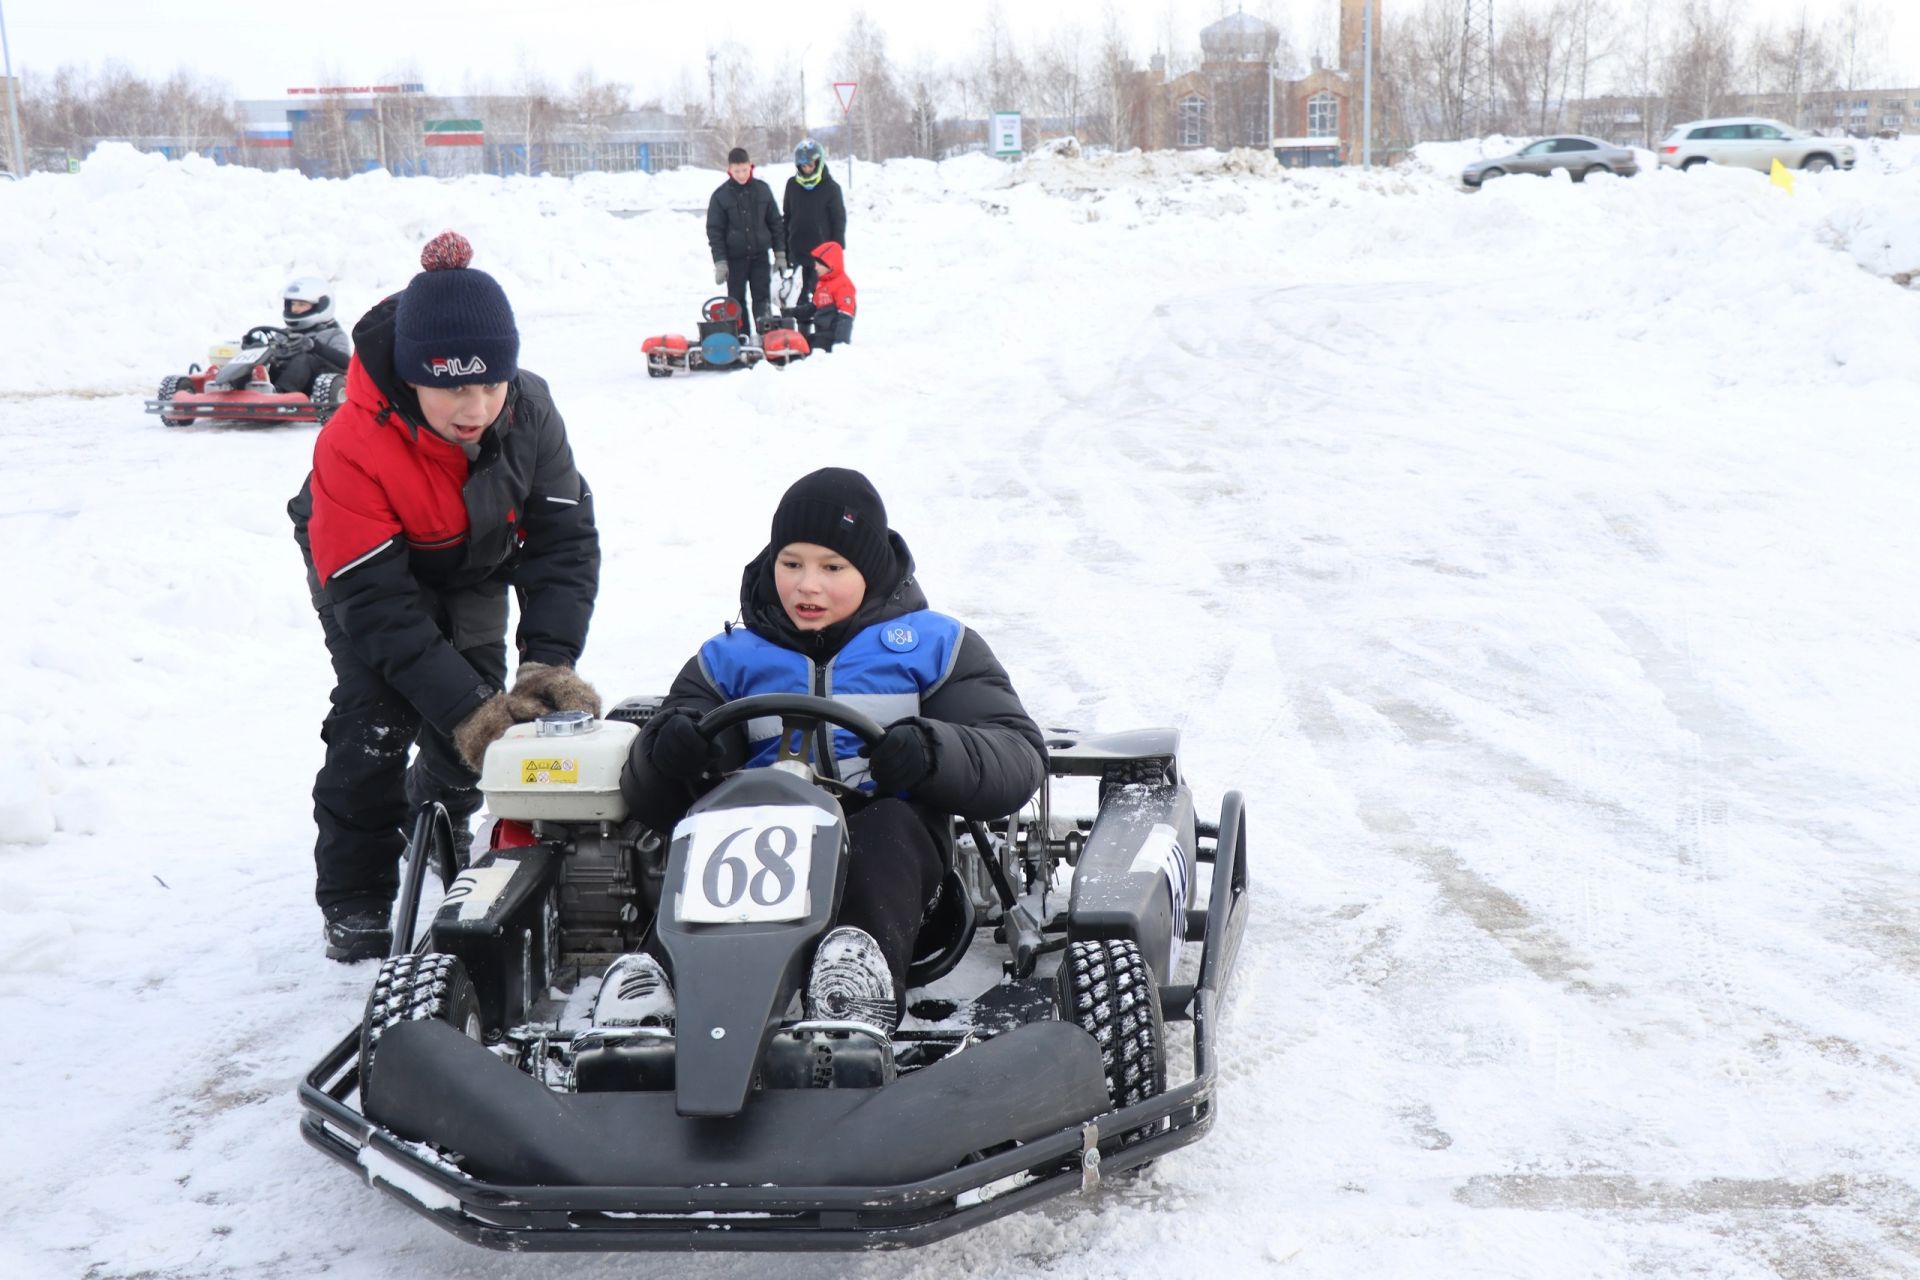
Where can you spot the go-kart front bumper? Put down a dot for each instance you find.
(238, 406)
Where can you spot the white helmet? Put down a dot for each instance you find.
(310, 289)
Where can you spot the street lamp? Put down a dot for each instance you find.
(1366, 91)
(19, 156)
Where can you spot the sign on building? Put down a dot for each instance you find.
(454, 133)
(1006, 133)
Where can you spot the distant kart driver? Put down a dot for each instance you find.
(315, 342)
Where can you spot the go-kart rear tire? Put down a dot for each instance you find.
(412, 988)
(168, 386)
(1106, 988)
(658, 373)
(327, 393)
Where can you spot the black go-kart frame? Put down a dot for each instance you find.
(835, 1209)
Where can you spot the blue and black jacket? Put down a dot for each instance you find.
(896, 658)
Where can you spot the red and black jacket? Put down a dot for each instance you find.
(835, 289)
(412, 546)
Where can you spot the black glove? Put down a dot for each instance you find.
(903, 759)
(294, 344)
(678, 750)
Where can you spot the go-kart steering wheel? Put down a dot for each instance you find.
(263, 335)
(801, 714)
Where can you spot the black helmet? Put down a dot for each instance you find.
(808, 152)
(310, 289)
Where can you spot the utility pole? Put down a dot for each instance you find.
(1477, 99)
(1366, 87)
(1267, 144)
(19, 156)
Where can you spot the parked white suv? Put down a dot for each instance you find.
(1752, 142)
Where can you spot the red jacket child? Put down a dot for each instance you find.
(834, 299)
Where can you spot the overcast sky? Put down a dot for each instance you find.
(262, 51)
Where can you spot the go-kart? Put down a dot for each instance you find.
(236, 386)
(724, 342)
(480, 1091)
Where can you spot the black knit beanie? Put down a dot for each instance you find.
(840, 510)
(454, 325)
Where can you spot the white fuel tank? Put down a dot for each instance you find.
(563, 767)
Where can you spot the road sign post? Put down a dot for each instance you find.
(845, 90)
(1006, 134)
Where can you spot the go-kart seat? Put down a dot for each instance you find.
(948, 930)
(945, 936)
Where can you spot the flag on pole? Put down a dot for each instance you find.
(1781, 177)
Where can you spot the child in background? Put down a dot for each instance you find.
(833, 299)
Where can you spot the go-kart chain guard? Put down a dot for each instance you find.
(791, 1216)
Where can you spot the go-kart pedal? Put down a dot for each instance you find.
(851, 982)
(635, 993)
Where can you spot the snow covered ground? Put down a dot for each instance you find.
(1538, 561)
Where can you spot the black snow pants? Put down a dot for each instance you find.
(366, 789)
(296, 373)
(831, 328)
(759, 272)
(894, 871)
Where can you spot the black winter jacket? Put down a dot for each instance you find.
(742, 221)
(330, 344)
(988, 755)
(409, 587)
(814, 215)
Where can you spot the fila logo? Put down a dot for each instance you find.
(455, 367)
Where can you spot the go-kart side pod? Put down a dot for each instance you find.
(664, 353)
(782, 345)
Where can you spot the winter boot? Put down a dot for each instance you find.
(851, 981)
(635, 993)
(358, 933)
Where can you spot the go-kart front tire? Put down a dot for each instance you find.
(1106, 988)
(169, 385)
(412, 988)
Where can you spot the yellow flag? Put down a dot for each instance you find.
(1782, 177)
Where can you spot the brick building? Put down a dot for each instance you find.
(1238, 96)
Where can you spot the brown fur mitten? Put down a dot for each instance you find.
(556, 688)
(488, 721)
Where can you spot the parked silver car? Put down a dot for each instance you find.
(1574, 152)
(1752, 142)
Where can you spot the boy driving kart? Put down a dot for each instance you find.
(831, 606)
(314, 343)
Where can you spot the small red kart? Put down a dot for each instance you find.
(237, 387)
(724, 342)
